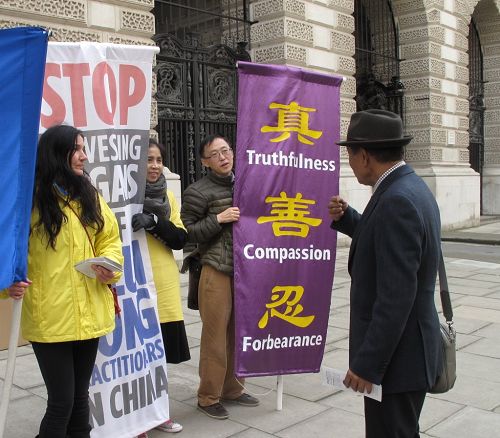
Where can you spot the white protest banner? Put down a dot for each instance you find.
(105, 91)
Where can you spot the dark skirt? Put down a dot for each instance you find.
(175, 341)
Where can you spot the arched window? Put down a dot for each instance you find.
(210, 21)
(377, 60)
(476, 100)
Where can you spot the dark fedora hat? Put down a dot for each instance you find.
(374, 129)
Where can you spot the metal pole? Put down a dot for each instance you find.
(279, 393)
(11, 362)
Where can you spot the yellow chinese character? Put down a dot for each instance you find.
(281, 297)
(289, 215)
(292, 118)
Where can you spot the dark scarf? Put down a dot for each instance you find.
(156, 200)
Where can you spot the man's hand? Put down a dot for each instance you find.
(17, 290)
(103, 275)
(336, 207)
(356, 383)
(142, 220)
(231, 214)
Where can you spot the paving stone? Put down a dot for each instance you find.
(472, 284)
(339, 319)
(494, 295)
(468, 325)
(24, 416)
(335, 334)
(468, 423)
(478, 392)
(349, 401)
(469, 312)
(435, 411)
(464, 340)
(332, 423)
(472, 265)
(265, 417)
(26, 374)
(307, 386)
(338, 358)
(491, 331)
(481, 302)
(468, 290)
(493, 276)
(15, 392)
(474, 365)
(484, 347)
(194, 330)
(183, 381)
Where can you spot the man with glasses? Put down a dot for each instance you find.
(208, 214)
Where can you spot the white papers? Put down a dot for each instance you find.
(333, 377)
(85, 266)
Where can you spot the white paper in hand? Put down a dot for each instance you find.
(333, 377)
(85, 266)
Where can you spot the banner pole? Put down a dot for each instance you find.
(11, 362)
(279, 393)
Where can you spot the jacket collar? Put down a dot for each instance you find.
(222, 180)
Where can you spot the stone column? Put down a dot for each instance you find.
(433, 39)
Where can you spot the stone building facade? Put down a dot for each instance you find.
(433, 47)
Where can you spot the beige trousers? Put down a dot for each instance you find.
(216, 369)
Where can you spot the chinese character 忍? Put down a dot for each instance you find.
(287, 308)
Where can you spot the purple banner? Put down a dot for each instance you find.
(287, 168)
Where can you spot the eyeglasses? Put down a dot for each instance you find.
(225, 152)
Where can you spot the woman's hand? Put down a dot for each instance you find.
(17, 290)
(103, 275)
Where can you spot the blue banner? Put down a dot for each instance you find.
(22, 65)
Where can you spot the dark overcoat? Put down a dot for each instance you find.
(393, 263)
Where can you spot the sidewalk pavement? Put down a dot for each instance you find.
(470, 410)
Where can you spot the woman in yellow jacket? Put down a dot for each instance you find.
(162, 220)
(64, 311)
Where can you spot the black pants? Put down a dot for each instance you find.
(395, 417)
(66, 370)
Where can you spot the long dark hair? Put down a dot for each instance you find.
(55, 180)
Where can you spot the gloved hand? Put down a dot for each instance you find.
(143, 220)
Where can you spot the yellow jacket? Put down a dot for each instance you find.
(62, 304)
(165, 270)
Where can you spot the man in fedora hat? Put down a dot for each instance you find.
(393, 262)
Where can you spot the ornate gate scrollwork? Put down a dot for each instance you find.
(196, 96)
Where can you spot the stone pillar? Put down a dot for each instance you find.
(433, 39)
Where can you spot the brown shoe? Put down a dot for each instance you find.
(216, 411)
(244, 400)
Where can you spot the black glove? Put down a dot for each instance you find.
(143, 220)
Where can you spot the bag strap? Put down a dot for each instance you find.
(111, 288)
(444, 292)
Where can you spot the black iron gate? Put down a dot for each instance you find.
(377, 61)
(196, 76)
(476, 102)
